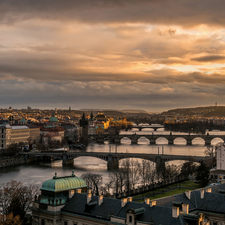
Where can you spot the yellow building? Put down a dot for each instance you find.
(99, 130)
(15, 134)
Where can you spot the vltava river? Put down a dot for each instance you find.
(37, 173)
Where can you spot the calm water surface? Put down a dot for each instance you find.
(37, 173)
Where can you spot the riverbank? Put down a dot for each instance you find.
(6, 161)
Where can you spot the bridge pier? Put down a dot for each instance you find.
(207, 142)
(152, 142)
(170, 141)
(160, 165)
(66, 161)
(112, 164)
(133, 141)
(140, 128)
(116, 140)
(100, 141)
(189, 142)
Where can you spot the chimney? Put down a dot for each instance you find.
(100, 199)
(78, 191)
(129, 199)
(185, 208)
(175, 212)
(123, 202)
(209, 190)
(89, 196)
(202, 194)
(147, 201)
(152, 203)
(71, 193)
(188, 194)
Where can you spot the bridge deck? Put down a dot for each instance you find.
(120, 155)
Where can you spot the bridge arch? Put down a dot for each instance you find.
(125, 140)
(216, 140)
(180, 141)
(198, 141)
(143, 140)
(161, 140)
(149, 129)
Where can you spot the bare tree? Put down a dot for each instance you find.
(131, 168)
(147, 172)
(169, 171)
(16, 198)
(134, 172)
(118, 180)
(93, 181)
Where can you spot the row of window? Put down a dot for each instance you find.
(43, 222)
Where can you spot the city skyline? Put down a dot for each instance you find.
(110, 54)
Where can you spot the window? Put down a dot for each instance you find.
(130, 219)
(42, 222)
(65, 223)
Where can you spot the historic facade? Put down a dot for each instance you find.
(17, 133)
(63, 202)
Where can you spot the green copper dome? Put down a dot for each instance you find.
(53, 119)
(58, 184)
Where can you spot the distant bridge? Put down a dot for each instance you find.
(155, 127)
(112, 159)
(153, 137)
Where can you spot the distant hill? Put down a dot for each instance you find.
(208, 111)
(133, 111)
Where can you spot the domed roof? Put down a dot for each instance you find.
(23, 121)
(53, 119)
(63, 183)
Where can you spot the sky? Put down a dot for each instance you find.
(152, 55)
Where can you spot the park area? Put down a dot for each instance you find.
(173, 189)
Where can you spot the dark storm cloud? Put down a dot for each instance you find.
(82, 94)
(209, 58)
(183, 12)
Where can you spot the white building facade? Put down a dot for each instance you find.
(220, 158)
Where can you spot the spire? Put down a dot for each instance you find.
(91, 115)
(83, 117)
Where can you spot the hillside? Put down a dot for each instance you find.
(208, 111)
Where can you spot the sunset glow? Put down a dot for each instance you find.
(150, 55)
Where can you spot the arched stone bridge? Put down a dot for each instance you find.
(152, 138)
(154, 127)
(112, 159)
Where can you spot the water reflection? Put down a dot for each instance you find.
(37, 173)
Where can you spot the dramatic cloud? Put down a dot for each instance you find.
(182, 12)
(210, 58)
(109, 53)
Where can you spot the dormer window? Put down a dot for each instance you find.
(130, 219)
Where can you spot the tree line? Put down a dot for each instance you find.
(193, 127)
(133, 173)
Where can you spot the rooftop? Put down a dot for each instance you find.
(65, 183)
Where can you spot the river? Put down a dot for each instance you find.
(37, 173)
